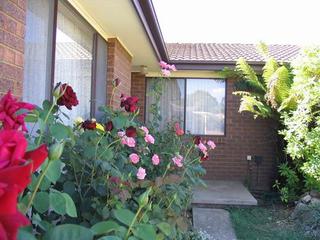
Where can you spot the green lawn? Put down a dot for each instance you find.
(264, 223)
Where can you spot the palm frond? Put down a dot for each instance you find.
(278, 87)
(249, 75)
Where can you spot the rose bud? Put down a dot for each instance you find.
(55, 151)
(109, 126)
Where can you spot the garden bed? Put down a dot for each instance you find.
(268, 222)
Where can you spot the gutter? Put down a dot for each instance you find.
(148, 18)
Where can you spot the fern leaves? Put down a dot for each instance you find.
(249, 75)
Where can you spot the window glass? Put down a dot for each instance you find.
(198, 102)
(100, 76)
(205, 106)
(171, 102)
(37, 51)
(73, 58)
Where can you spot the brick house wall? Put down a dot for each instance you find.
(118, 66)
(244, 136)
(12, 30)
(138, 89)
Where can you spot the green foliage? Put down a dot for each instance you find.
(290, 189)
(265, 97)
(302, 125)
(88, 188)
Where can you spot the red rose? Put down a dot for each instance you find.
(16, 167)
(197, 140)
(109, 126)
(131, 132)
(10, 223)
(89, 125)
(204, 157)
(69, 97)
(179, 131)
(129, 103)
(8, 112)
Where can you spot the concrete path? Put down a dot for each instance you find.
(223, 193)
(214, 224)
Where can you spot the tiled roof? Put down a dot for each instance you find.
(225, 52)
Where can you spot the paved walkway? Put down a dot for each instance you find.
(215, 224)
(223, 193)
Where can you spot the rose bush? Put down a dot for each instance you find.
(114, 178)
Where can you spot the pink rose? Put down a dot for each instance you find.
(163, 64)
(141, 174)
(165, 72)
(121, 133)
(178, 160)
(202, 147)
(211, 144)
(172, 67)
(145, 130)
(134, 158)
(149, 139)
(131, 142)
(155, 159)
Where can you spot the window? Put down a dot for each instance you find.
(198, 104)
(37, 53)
(79, 57)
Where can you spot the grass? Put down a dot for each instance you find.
(262, 223)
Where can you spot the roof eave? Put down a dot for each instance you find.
(148, 18)
(212, 65)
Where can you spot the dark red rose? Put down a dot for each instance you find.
(203, 157)
(10, 224)
(69, 97)
(116, 82)
(115, 180)
(9, 106)
(197, 140)
(109, 126)
(129, 103)
(89, 125)
(131, 132)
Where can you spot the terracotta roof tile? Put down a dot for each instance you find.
(227, 52)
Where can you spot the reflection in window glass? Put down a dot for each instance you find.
(205, 106)
(171, 102)
(73, 59)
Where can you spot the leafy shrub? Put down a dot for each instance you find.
(112, 179)
(302, 126)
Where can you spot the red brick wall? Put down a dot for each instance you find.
(138, 89)
(12, 29)
(244, 136)
(119, 66)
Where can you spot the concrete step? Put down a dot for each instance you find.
(214, 224)
(222, 193)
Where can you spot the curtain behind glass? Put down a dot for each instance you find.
(101, 76)
(205, 106)
(73, 60)
(37, 52)
(171, 102)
